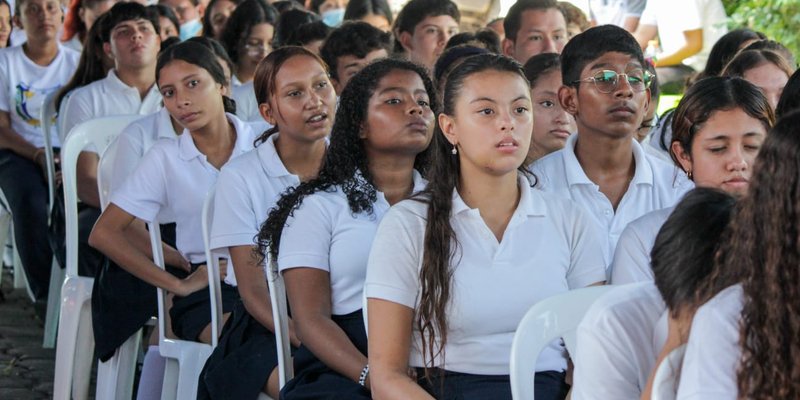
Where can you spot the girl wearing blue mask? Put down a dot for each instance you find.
(331, 11)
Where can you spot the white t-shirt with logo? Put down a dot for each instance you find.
(24, 86)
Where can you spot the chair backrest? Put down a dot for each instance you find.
(212, 262)
(158, 260)
(107, 157)
(547, 320)
(99, 133)
(46, 118)
(280, 316)
(665, 382)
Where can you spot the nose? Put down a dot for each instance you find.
(737, 162)
(314, 100)
(415, 107)
(505, 121)
(549, 45)
(624, 88)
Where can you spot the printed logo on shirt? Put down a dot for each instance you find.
(28, 103)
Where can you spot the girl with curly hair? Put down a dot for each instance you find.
(453, 270)
(320, 232)
(745, 341)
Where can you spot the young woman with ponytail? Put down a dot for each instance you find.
(170, 185)
(453, 270)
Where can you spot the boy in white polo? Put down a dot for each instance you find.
(131, 39)
(602, 167)
(28, 73)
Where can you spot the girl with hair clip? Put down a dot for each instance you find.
(552, 125)
(247, 188)
(169, 185)
(717, 130)
(744, 341)
(478, 245)
(320, 232)
(764, 68)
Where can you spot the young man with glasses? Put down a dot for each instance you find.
(602, 167)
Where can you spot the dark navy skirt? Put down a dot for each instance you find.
(448, 385)
(242, 361)
(313, 379)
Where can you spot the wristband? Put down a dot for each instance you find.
(36, 154)
(362, 379)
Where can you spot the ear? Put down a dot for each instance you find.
(81, 13)
(224, 90)
(107, 50)
(508, 47)
(447, 125)
(17, 22)
(568, 97)
(201, 9)
(683, 157)
(266, 112)
(405, 41)
(337, 87)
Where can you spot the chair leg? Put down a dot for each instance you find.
(69, 321)
(115, 376)
(169, 390)
(84, 354)
(53, 307)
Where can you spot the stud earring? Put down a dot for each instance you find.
(689, 174)
(454, 151)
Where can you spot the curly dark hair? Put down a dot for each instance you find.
(441, 243)
(346, 164)
(761, 251)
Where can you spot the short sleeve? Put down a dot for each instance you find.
(649, 14)
(129, 153)
(587, 265)
(5, 85)
(76, 111)
(307, 236)
(635, 8)
(713, 352)
(631, 258)
(394, 260)
(144, 193)
(235, 222)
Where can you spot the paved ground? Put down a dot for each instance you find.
(26, 369)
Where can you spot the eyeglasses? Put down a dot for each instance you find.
(606, 81)
(256, 49)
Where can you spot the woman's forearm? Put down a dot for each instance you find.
(331, 345)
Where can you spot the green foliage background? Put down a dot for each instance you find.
(778, 19)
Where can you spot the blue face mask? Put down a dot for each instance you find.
(333, 18)
(190, 29)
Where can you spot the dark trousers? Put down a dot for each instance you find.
(25, 188)
(548, 385)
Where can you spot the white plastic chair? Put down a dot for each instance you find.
(212, 263)
(185, 359)
(665, 383)
(115, 377)
(7, 237)
(75, 338)
(549, 319)
(280, 316)
(46, 117)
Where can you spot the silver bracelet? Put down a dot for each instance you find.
(362, 379)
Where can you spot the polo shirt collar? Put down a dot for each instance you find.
(643, 174)
(530, 204)
(244, 137)
(164, 124)
(270, 161)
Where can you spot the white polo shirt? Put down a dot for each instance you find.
(106, 97)
(713, 354)
(618, 343)
(246, 105)
(173, 179)
(134, 141)
(325, 234)
(615, 11)
(632, 256)
(24, 86)
(548, 247)
(655, 185)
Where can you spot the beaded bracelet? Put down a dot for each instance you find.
(362, 379)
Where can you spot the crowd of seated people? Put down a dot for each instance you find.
(418, 189)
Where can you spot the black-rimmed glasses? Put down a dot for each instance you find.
(606, 81)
